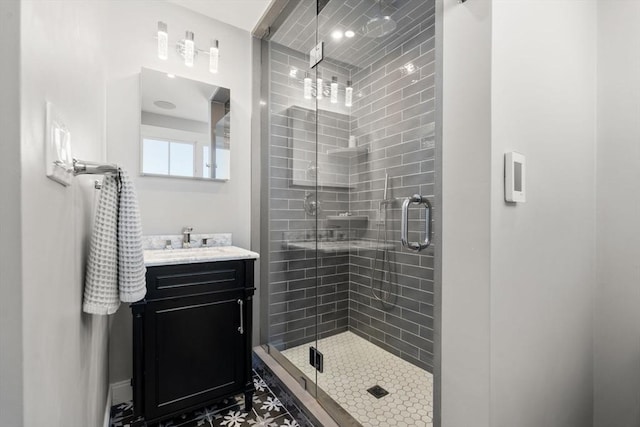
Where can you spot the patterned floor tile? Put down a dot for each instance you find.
(267, 411)
(296, 416)
(270, 405)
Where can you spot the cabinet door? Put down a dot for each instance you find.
(194, 352)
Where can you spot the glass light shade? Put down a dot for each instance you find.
(334, 90)
(163, 41)
(348, 98)
(189, 49)
(214, 57)
(307, 87)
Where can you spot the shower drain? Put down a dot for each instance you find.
(378, 391)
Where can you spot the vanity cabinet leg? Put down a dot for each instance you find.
(248, 401)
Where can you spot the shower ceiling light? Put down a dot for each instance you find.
(348, 34)
(187, 48)
(337, 35)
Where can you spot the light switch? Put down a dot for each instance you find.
(57, 148)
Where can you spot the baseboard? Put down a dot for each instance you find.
(121, 392)
(107, 411)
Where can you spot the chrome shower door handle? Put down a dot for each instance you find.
(241, 327)
(418, 200)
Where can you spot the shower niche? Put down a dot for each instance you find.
(316, 155)
(349, 140)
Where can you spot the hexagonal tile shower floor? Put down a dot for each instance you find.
(352, 365)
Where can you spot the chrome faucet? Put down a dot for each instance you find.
(186, 237)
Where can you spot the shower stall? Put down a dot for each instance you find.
(350, 189)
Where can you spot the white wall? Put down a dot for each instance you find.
(168, 204)
(617, 317)
(517, 320)
(65, 351)
(11, 402)
(543, 251)
(466, 188)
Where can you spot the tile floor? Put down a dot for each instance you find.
(352, 365)
(267, 411)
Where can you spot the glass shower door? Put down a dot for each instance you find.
(376, 151)
(294, 203)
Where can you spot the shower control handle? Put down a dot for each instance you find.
(241, 327)
(417, 200)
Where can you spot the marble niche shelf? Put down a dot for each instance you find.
(348, 152)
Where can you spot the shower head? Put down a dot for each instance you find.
(381, 24)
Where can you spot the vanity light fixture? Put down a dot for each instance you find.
(163, 41)
(334, 90)
(307, 86)
(348, 98)
(187, 48)
(214, 56)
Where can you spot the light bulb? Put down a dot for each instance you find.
(307, 87)
(334, 90)
(348, 98)
(163, 41)
(214, 57)
(189, 49)
(319, 89)
(349, 34)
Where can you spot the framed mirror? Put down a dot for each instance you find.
(185, 127)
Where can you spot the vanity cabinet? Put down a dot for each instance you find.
(192, 338)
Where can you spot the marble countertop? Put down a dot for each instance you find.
(155, 257)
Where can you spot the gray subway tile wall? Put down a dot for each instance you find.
(393, 118)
